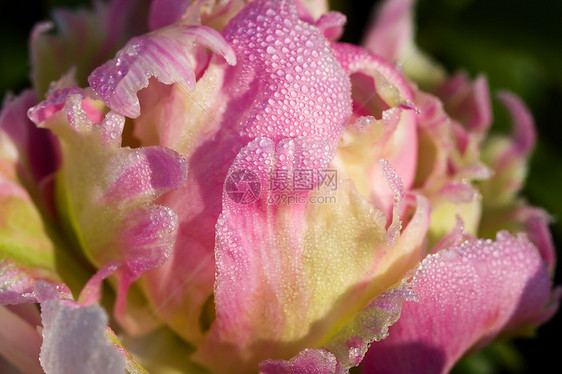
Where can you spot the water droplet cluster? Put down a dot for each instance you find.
(484, 277)
(303, 90)
(105, 79)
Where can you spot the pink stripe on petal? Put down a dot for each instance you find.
(536, 222)
(524, 134)
(164, 54)
(147, 237)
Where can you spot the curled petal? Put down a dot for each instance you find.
(536, 223)
(17, 284)
(524, 134)
(331, 24)
(398, 193)
(389, 83)
(381, 94)
(52, 104)
(369, 325)
(164, 54)
(492, 287)
(35, 148)
(508, 157)
(91, 293)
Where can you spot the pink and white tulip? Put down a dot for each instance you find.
(146, 157)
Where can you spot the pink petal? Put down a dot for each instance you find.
(391, 29)
(355, 59)
(468, 102)
(17, 284)
(508, 157)
(166, 12)
(468, 295)
(458, 192)
(109, 192)
(20, 342)
(55, 102)
(269, 253)
(536, 223)
(524, 134)
(165, 54)
(36, 158)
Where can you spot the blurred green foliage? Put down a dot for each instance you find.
(517, 44)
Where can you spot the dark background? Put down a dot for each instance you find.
(517, 44)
